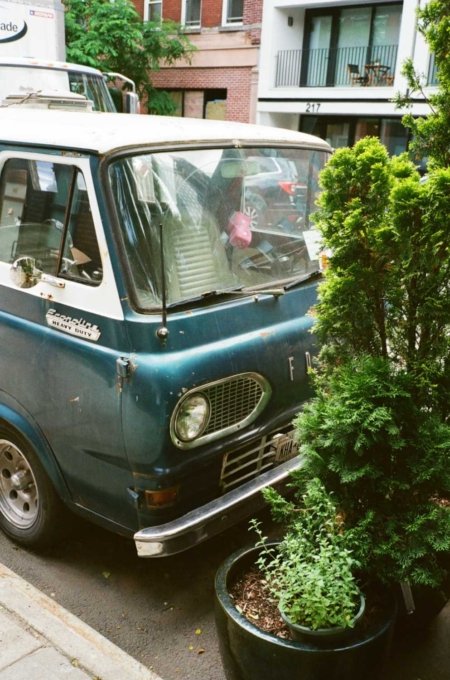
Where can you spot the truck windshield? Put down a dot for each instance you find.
(93, 87)
(214, 220)
(20, 79)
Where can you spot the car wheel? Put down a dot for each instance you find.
(255, 208)
(30, 511)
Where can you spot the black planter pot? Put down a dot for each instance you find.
(427, 604)
(251, 654)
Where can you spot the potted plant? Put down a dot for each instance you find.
(336, 625)
(311, 571)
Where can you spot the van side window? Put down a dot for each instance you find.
(45, 215)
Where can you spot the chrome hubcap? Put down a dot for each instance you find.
(253, 213)
(19, 498)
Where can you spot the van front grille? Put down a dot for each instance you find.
(232, 401)
(247, 463)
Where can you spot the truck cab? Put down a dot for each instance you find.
(32, 62)
(156, 339)
(24, 78)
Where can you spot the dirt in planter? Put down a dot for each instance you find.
(253, 600)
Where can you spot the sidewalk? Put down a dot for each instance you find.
(41, 640)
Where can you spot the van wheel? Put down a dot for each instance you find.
(30, 511)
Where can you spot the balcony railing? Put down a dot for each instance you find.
(326, 67)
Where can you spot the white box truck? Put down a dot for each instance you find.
(32, 54)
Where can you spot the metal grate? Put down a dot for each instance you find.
(232, 401)
(245, 464)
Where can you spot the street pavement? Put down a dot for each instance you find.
(41, 640)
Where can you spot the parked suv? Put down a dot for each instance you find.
(275, 196)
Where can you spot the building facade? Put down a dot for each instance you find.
(332, 67)
(220, 81)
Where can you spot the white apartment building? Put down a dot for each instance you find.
(332, 67)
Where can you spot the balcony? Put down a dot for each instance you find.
(338, 67)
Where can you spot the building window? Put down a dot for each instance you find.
(215, 104)
(345, 131)
(177, 98)
(208, 103)
(191, 13)
(233, 11)
(153, 10)
(432, 71)
(342, 42)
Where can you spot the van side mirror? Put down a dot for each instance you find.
(131, 103)
(24, 272)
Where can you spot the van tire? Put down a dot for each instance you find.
(31, 513)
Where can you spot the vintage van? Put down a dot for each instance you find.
(155, 337)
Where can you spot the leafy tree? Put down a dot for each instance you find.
(431, 135)
(113, 37)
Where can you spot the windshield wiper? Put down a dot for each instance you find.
(223, 292)
(243, 290)
(302, 279)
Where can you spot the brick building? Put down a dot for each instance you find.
(221, 79)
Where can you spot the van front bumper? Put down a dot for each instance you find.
(213, 517)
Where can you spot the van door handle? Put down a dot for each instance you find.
(52, 281)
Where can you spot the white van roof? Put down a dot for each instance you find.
(105, 133)
(31, 62)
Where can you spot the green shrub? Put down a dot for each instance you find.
(311, 571)
(378, 432)
(386, 461)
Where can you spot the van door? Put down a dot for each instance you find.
(61, 329)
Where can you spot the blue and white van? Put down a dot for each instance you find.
(155, 336)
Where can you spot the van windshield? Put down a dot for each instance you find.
(213, 220)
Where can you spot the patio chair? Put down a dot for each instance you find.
(356, 77)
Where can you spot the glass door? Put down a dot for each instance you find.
(353, 40)
(318, 50)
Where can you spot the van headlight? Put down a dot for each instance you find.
(191, 417)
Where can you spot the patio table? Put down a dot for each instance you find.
(377, 73)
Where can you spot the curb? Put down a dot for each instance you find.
(81, 644)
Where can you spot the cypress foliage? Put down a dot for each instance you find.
(377, 433)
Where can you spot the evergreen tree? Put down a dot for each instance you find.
(377, 433)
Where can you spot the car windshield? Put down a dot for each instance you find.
(201, 222)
